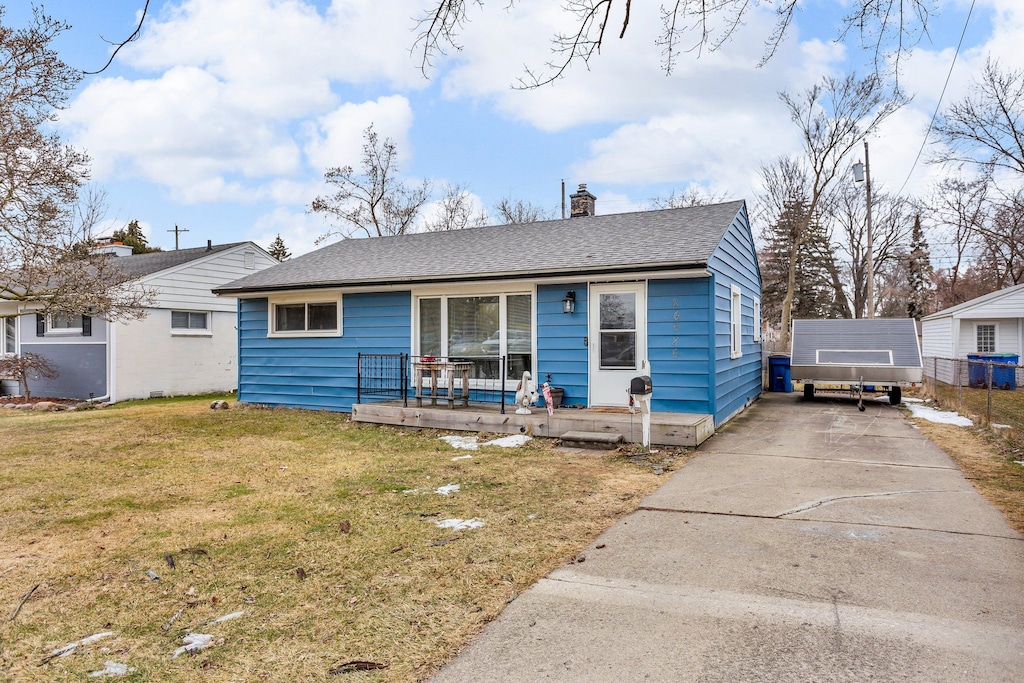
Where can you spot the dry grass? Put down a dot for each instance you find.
(988, 462)
(241, 500)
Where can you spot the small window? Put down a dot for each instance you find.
(10, 335)
(986, 338)
(735, 323)
(189, 321)
(59, 321)
(305, 318)
(757, 320)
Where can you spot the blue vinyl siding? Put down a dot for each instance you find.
(560, 349)
(677, 345)
(318, 372)
(737, 381)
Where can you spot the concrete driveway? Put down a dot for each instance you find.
(808, 542)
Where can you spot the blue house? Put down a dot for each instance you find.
(579, 302)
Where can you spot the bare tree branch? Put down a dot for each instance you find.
(118, 45)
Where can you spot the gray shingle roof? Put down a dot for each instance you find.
(140, 265)
(648, 239)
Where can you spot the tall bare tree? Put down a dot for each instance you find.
(456, 210)
(694, 195)
(510, 210)
(986, 127)
(956, 209)
(833, 117)
(888, 29)
(892, 219)
(374, 202)
(46, 214)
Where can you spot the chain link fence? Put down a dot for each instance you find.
(990, 393)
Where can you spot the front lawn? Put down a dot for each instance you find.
(323, 533)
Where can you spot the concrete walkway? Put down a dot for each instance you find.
(808, 542)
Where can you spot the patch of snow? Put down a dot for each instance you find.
(460, 524)
(470, 443)
(464, 442)
(64, 651)
(513, 441)
(411, 491)
(1020, 462)
(97, 636)
(999, 426)
(913, 400)
(462, 457)
(446, 490)
(111, 669)
(939, 416)
(193, 643)
(228, 617)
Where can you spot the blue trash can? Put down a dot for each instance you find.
(1003, 377)
(779, 374)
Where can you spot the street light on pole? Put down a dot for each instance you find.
(862, 174)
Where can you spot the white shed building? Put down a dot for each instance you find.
(993, 323)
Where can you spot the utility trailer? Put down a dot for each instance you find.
(868, 354)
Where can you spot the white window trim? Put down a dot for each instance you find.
(735, 322)
(192, 332)
(457, 291)
(303, 298)
(995, 334)
(757, 320)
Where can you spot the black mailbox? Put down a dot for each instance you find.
(640, 385)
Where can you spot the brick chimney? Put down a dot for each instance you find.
(582, 203)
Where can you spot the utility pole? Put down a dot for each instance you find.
(177, 231)
(862, 173)
(871, 249)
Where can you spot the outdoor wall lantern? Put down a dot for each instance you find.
(569, 302)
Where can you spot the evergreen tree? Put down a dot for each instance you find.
(278, 250)
(132, 236)
(919, 267)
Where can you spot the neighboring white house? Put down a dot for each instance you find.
(187, 343)
(993, 323)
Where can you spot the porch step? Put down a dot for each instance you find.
(592, 439)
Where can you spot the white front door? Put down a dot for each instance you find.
(618, 340)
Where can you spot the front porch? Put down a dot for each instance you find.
(667, 429)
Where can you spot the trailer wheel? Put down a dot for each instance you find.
(895, 395)
(808, 392)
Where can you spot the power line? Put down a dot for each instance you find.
(939, 102)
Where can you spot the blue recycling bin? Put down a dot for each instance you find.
(1003, 376)
(779, 374)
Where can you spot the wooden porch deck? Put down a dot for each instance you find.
(667, 429)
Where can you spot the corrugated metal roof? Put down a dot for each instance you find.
(898, 335)
(649, 239)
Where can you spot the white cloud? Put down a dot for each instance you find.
(337, 137)
(298, 229)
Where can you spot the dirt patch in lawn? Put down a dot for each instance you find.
(988, 461)
(152, 521)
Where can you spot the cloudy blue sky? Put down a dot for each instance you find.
(223, 116)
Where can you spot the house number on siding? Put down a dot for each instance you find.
(675, 328)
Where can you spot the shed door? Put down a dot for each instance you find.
(618, 340)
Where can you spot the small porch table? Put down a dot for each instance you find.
(437, 371)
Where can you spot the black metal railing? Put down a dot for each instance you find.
(383, 375)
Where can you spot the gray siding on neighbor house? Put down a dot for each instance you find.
(82, 370)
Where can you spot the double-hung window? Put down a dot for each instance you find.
(10, 335)
(313, 316)
(735, 323)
